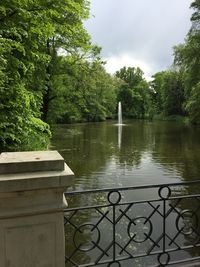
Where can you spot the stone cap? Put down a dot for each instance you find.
(25, 171)
(32, 161)
(36, 180)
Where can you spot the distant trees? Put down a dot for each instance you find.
(168, 97)
(177, 90)
(172, 92)
(132, 91)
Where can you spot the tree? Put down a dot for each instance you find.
(31, 32)
(193, 104)
(19, 116)
(168, 93)
(187, 58)
(87, 93)
(132, 91)
(156, 85)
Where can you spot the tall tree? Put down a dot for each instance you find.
(31, 32)
(168, 92)
(187, 58)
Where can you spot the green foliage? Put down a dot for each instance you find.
(19, 128)
(85, 92)
(156, 93)
(193, 104)
(31, 32)
(37, 132)
(168, 94)
(133, 92)
(187, 58)
(50, 71)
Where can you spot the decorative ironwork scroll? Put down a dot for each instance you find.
(118, 227)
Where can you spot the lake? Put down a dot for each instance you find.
(141, 152)
(104, 155)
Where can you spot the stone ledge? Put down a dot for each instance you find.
(34, 161)
(35, 180)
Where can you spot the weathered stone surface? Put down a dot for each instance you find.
(36, 180)
(31, 209)
(20, 162)
(33, 241)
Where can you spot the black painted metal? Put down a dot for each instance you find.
(117, 227)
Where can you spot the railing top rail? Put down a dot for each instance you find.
(137, 187)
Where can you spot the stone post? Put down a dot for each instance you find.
(31, 209)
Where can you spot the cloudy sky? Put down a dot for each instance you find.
(139, 32)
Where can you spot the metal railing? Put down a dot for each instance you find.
(150, 225)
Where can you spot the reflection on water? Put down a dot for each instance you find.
(150, 152)
(101, 156)
(119, 135)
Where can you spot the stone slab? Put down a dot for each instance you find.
(34, 161)
(20, 182)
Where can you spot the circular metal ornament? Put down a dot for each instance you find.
(135, 223)
(164, 192)
(163, 259)
(114, 197)
(81, 232)
(186, 222)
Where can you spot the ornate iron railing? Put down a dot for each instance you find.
(118, 227)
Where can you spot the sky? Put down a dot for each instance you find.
(139, 33)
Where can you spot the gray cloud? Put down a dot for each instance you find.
(145, 30)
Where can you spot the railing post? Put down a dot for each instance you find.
(31, 209)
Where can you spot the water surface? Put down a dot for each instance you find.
(106, 155)
(140, 152)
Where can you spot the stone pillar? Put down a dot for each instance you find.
(31, 209)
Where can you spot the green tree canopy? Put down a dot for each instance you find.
(187, 58)
(31, 34)
(84, 93)
(132, 91)
(168, 92)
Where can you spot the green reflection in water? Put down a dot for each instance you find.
(147, 152)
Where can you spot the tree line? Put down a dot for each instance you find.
(50, 72)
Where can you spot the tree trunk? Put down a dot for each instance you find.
(46, 95)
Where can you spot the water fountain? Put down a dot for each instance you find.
(119, 135)
(119, 113)
(119, 124)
